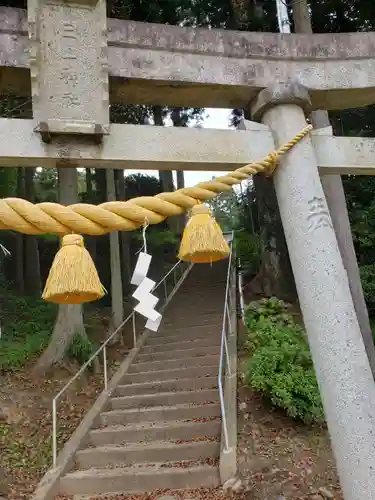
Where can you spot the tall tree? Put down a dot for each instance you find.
(33, 281)
(275, 276)
(69, 320)
(165, 176)
(116, 278)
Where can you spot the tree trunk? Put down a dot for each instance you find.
(335, 195)
(165, 176)
(69, 320)
(124, 238)
(33, 280)
(301, 17)
(178, 122)
(90, 241)
(180, 185)
(18, 260)
(275, 276)
(19, 247)
(180, 179)
(116, 280)
(69, 323)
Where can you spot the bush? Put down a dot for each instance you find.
(249, 251)
(26, 327)
(27, 324)
(280, 365)
(368, 283)
(81, 349)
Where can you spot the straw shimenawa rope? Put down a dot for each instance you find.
(52, 218)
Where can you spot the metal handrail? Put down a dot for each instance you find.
(240, 289)
(179, 265)
(224, 346)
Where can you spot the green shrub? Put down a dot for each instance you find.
(26, 328)
(81, 349)
(280, 365)
(249, 251)
(368, 283)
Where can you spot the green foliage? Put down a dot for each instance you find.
(26, 327)
(248, 249)
(46, 185)
(280, 365)
(158, 241)
(81, 349)
(225, 209)
(8, 182)
(368, 283)
(141, 185)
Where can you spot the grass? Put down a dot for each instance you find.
(26, 327)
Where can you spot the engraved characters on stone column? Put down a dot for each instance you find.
(318, 215)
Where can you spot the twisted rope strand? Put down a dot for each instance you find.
(81, 218)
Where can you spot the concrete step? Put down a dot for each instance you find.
(185, 384)
(194, 295)
(194, 318)
(178, 373)
(184, 311)
(144, 453)
(165, 399)
(178, 354)
(184, 307)
(162, 431)
(209, 342)
(198, 321)
(183, 329)
(160, 414)
(174, 364)
(210, 332)
(139, 479)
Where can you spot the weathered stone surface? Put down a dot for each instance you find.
(135, 147)
(175, 149)
(69, 67)
(153, 63)
(282, 93)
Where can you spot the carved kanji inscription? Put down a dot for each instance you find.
(318, 215)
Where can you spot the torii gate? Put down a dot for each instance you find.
(77, 62)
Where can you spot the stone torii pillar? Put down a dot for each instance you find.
(337, 348)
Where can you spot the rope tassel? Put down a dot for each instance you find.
(202, 240)
(73, 278)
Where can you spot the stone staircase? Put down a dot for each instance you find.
(162, 428)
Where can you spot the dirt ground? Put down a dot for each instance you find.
(26, 419)
(277, 457)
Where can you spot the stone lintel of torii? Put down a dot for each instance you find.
(174, 148)
(73, 63)
(160, 64)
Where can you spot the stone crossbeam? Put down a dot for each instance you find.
(135, 147)
(173, 148)
(158, 64)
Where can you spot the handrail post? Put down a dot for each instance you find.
(105, 368)
(134, 330)
(54, 432)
